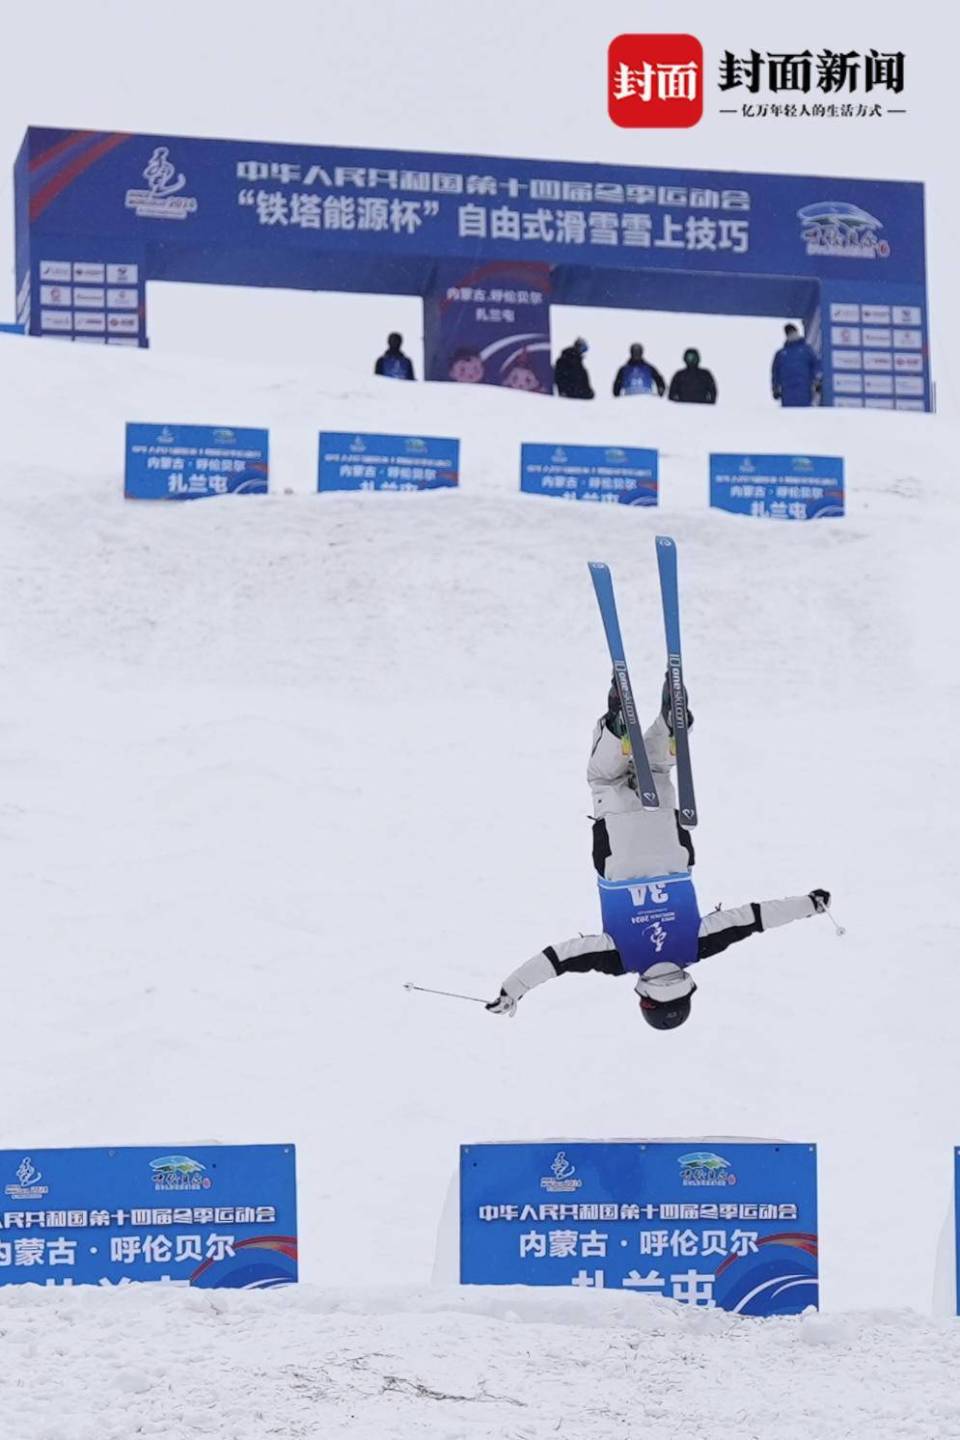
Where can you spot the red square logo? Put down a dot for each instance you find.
(655, 81)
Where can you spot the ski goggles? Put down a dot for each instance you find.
(676, 984)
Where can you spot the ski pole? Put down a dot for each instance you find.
(840, 929)
(450, 994)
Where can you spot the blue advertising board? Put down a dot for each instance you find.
(610, 473)
(724, 1224)
(191, 462)
(349, 461)
(778, 487)
(215, 1216)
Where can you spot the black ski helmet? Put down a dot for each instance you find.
(665, 1014)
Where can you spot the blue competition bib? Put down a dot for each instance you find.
(638, 381)
(651, 921)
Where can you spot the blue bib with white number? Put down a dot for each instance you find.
(651, 921)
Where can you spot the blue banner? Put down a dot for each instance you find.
(716, 1223)
(216, 1216)
(190, 462)
(349, 461)
(651, 921)
(778, 487)
(188, 193)
(608, 473)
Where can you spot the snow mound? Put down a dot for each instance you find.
(495, 1364)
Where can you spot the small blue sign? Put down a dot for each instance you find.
(11, 329)
(590, 472)
(710, 1223)
(216, 1216)
(387, 462)
(191, 462)
(778, 487)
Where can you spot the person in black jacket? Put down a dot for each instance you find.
(570, 376)
(393, 363)
(693, 385)
(638, 376)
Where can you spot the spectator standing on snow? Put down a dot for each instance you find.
(795, 376)
(693, 385)
(638, 376)
(393, 364)
(570, 376)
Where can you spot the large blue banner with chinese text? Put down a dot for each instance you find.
(710, 1223)
(227, 201)
(778, 487)
(611, 473)
(190, 462)
(216, 1216)
(387, 462)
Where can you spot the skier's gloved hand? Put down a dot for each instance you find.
(666, 704)
(613, 698)
(613, 719)
(820, 898)
(503, 1005)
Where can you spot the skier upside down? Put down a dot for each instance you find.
(643, 858)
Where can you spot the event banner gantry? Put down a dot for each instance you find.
(489, 243)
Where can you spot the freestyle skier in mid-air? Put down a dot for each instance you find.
(643, 855)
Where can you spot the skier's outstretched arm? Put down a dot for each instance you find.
(722, 928)
(572, 957)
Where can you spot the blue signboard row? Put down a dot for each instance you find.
(733, 1227)
(214, 1216)
(188, 462)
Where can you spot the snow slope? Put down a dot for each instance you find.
(263, 759)
(486, 1364)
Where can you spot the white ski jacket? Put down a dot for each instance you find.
(637, 842)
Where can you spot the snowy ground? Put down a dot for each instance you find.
(264, 759)
(485, 1364)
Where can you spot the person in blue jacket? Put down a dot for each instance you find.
(638, 376)
(393, 363)
(795, 377)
